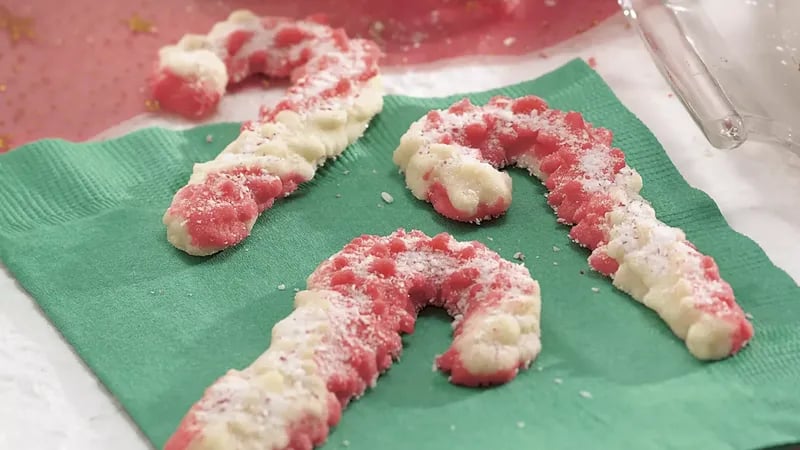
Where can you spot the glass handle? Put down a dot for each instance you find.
(696, 87)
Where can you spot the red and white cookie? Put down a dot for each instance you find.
(452, 158)
(345, 330)
(335, 93)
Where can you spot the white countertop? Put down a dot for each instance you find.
(51, 400)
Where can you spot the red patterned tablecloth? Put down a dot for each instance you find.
(75, 69)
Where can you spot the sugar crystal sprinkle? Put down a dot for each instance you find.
(556, 248)
(749, 316)
(594, 289)
(557, 380)
(281, 287)
(520, 424)
(346, 443)
(387, 197)
(452, 428)
(585, 394)
(509, 41)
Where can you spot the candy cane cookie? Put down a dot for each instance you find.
(345, 330)
(451, 158)
(335, 93)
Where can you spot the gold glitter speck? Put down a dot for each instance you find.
(17, 27)
(139, 25)
(5, 143)
(151, 105)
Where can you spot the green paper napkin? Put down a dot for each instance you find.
(80, 228)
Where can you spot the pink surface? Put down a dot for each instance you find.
(82, 69)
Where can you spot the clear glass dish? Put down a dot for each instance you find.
(734, 64)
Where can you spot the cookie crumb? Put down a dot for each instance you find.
(585, 394)
(209, 138)
(519, 256)
(520, 424)
(281, 287)
(417, 38)
(509, 41)
(594, 289)
(557, 380)
(748, 316)
(556, 248)
(387, 197)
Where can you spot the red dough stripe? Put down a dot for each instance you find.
(346, 330)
